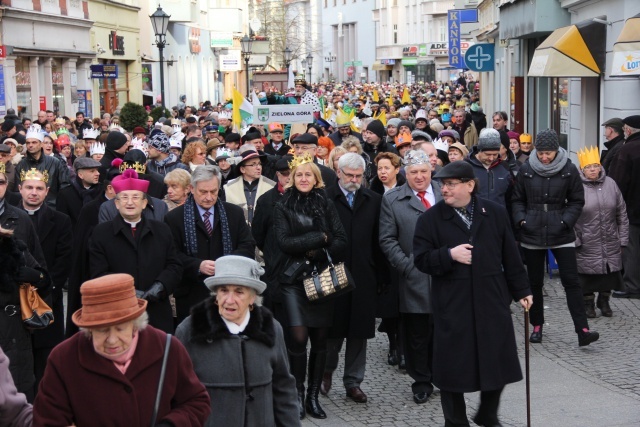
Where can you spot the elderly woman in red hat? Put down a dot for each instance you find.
(110, 372)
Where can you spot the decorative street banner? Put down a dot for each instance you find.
(264, 114)
(456, 59)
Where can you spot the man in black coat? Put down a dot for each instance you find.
(137, 160)
(117, 145)
(83, 189)
(140, 247)
(614, 135)
(307, 143)
(466, 245)
(375, 143)
(355, 312)
(198, 243)
(277, 146)
(55, 235)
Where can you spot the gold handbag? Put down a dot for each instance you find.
(331, 282)
(36, 314)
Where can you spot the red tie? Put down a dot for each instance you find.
(423, 199)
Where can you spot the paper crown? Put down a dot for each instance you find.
(97, 148)
(91, 133)
(60, 121)
(403, 139)
(421, 114)
(129, 181)
(343, 119)
(441, 145)
(35, 132)
(223, 153)
(526, 137)
(224, 115)
(62, 131)
(176, 140)
(137, 166)
(588, 156)
(175, 129)
(300, 81)
(300, 160)
(34, 174)
(140, 144)
(3, 168)
(114, 127)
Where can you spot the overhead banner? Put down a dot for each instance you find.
(265, 114)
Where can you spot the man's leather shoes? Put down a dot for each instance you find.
(421, 397)
(327, 379)
(357, 395)
(536, 335)
(625, 294)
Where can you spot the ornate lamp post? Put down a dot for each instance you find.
(304, 65)
(287, 58)
(245, 43)
(160, 23)
(330, 59)
(309, 63)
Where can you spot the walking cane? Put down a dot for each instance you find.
(526, 361)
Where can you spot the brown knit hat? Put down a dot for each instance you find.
(108, 300)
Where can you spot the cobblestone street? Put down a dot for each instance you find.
(598, 385)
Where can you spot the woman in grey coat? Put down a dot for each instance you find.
(238, 350)
(601, 232)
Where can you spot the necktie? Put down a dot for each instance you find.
(423, 199)
(207, 223)
(350, 197)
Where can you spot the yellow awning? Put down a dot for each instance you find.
(573, 51)
(378, 66)
(626, 50)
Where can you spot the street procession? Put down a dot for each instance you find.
(332, 213)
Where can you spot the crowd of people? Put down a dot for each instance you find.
(209, 229)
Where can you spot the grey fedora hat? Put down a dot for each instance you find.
(239, 271)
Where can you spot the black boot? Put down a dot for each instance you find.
(603, 304)
(589, 306)
(316, 370)
(586, 337)
(298, 366)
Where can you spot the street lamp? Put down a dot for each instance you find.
(330, 59)
(304, 65)
(245, 43)
(309, 63)
(287, 58)
(160, 23)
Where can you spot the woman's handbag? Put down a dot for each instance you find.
(36, 314)
(163, 370)
(331, 282)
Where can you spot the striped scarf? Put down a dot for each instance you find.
(191, 241)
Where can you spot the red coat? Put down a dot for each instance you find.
(81, 387)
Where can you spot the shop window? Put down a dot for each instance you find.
(114, 92)
(560, 108)
(57, 87)
(23, 87)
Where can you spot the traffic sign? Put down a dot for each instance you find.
(480, 57)
(348, 63)
(357, 63)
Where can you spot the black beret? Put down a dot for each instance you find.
(283, 163)
(250, 136)
(306, 138)
(459, 170)
(632, 121)
(7, 125)
(232, 137)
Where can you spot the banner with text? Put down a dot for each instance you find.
(265, 114)
(456, 59)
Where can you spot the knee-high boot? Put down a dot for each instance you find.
(298, 366)
(317, 361)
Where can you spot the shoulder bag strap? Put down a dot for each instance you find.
(161, 382)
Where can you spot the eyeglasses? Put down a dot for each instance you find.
(253, 165)
(452, 185)
(350, 176)
(592, 167)
(127, 199)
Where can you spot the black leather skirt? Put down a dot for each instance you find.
(301, 312)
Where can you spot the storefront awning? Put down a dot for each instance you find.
(377, 66)
(574, 51)
(626, 50)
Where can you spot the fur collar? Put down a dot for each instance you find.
(207, 325)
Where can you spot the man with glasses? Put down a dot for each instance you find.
(355, 313)
(307, 143)
(277, 146)
(400, 209)
(143, 248)
(495, 182)
(245, 190)
(466, 245)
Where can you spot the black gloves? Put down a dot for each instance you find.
(29, 275)
(155, 293)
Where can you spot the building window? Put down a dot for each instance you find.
(395, 34)
(57, 87)
(114, 92)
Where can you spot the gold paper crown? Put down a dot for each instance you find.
(3, 168)
(137, 166)
(588, 156)
(300, 160)
(34, 174)
(526, 137)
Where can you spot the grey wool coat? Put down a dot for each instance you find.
(246, 375)
(398, 216)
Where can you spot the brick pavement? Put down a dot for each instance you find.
(570, 386)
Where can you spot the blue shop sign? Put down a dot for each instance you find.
(104, 71)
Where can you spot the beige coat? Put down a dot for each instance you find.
(234, 192)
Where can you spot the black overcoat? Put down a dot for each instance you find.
(150, 256)
(192, 289)
(474, 342)
(355, 312)
(55, 235)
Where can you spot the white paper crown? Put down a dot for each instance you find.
(91, 133)
(176, 140)
(176, 129)
(35, 132)
(117, 128)
(224, 152)
(421, 114)
(441, 145)
(224, 115)
(97, 148)
(139, 144)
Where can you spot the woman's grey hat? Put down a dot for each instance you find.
(416, 134)
(489, 140)
(547, 140)
(239, 271)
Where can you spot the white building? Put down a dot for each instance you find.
(348, 34)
